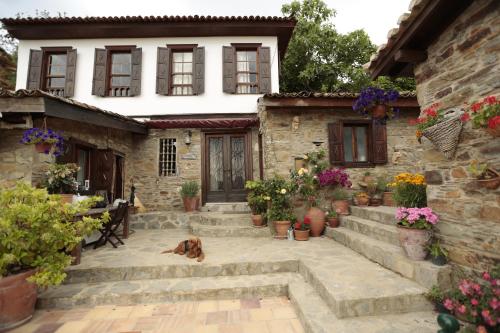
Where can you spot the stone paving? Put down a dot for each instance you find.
(268, 315)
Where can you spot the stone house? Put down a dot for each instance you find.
(452, 49)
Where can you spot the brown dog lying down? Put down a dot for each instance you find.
(190, 246)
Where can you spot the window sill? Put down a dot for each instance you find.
(356, 165)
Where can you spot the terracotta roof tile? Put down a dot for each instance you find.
(310, 94)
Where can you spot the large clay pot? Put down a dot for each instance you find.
(362, 201)
(341, 206)
(282, 229)
(190, 203)
(301, 235)
(388, 199)
(257, 220)
(414, 242)
(379, 111)
(317, 217)
(17, 300)
(43, 147)
(333, 222)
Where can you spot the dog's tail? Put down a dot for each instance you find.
(167, 251)
(201, 257)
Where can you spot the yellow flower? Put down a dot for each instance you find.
(267, 198)
(283, 191)
(306, 157)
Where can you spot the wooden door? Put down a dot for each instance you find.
(103, 171)
(227, 166)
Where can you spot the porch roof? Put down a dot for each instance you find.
(226, 122)
(41, 103)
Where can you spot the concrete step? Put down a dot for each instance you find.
(382, 232)
(131, 273)
(316, 316)
(162, 290)
(228, 220)
(226, 207)
(393, 258)
(381, 214)
(202, 230)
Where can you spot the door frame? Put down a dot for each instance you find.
(204, 156)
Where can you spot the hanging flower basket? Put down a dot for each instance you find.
(377, 102)
(43, 147)
(45, 140)
(445, 134)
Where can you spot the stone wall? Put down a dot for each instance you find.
(463, 66)
(15, 159)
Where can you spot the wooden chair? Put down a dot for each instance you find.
(109, 229)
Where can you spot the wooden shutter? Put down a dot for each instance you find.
(198, 70)
(69, 84)
(264, 70)
(228, 68)
(335, 143)
(379, 135)
(99, 80)
(162, 71)
(135, 83)
(35, 69)
(102, 170)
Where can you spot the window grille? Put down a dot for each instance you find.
(168, 157)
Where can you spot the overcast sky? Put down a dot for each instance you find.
(375, 16)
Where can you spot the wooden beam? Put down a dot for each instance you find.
(23, 105)
(410, 56)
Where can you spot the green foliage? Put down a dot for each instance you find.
(60, 178)
(331, 214)
(257, 197)
(436, 250)
(189, 189)
(410, 195)
(479, 170)
(279, 191)
(37, 230)
(435, 295)
(399, 83)
(315, 160)
(276, 213)
(340, 194)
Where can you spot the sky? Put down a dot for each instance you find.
(377, 17)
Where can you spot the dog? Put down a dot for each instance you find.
(190, 246)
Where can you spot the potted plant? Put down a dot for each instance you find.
(44, 140)
(60, 179)
(387, 198)
(189, 193)
(485, 114)
(333, 219)
(377, 102)
(302, 229)
(36, 234)
(338, 179)
(439, 256)
(414, 229)
(282, 220)
(409, 190)
(362, 198)
(367, 177)
(340, 201)
(280, 211)
(375, 192)
(485, 177)
(257, 202)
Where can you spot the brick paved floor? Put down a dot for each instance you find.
(268, 315)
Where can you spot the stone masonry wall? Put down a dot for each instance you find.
(463, 66)
(15, 159)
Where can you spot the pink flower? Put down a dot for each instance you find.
(474, 302)
(494, 303)
(481, 329)
(448, 304)
(486, 314)
(486, 276)
(461, 309)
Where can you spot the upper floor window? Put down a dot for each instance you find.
(182, 73)
(55, 73)
(246, 72)
(120, 73)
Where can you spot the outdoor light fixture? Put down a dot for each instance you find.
(187, 138)
(318, 143)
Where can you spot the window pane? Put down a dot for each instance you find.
(253, 78)
(187, 56)
(216, 169)
(241, 56)
(348, 153)
(252, 66)
(251, 55)
(83, 157)
(57, 82)
(178, 67)
(244, 78)
(120, 81)
(186, 79)
(361, 144)
(177, 78)
(57, 64)
(242, 66)
(187, 67)
(177, 56)
(121, 63)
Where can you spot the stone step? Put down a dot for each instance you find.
(163, 220)
(202, 230)
(393, 258)
(382, 232)
(131, 273)
(165, 290)
(381, 214)
(226, 207)
(223, 219)
(317, 317)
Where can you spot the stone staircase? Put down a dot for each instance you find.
(372, 232)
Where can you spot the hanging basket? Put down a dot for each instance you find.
(446, 134)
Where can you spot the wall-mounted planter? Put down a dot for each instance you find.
(491, 183)
(446, 134)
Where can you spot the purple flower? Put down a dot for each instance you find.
(333, 177)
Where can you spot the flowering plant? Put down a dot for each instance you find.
(429, 117)
(60, 178)
(334, 177)
(315, 159)
(371, 96)
(306, 183)
(416, 218)
(477, 301)
(485, 113)
(257, 197)
(304, 225)
(409, 190)
(36, 135)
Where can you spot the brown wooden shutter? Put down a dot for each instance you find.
(35, 69)
(379, 135)
(335, 143)
(229, 66)
(135, 83)
(102, 170)
(199, 70)
(99, 81)
(264, 70)
(162, 70)
(69, 84)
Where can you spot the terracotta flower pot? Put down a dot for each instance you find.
(301, 235)
(43, 147)
(491, 183)
(362, 201)
(388, 199)
(66, 198)
(333, 222)
(317, 217)
(379, 111)
(282, 229)
(341, 206)
(495, 132)
(17, 300)
(257, 220)
(414, 242)
(190, 203)
(375, 201)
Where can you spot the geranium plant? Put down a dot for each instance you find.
(54, 142)
(409, 190)
(485, 113)
(370, 97)
(60, 178)
(416, 218)
(303, 225)
(334, 177)
(429, 117)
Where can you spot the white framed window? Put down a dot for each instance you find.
(168, 157)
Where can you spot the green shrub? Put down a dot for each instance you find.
(189, 189)
(37, 230)
(410, 195)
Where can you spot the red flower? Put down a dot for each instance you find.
(431, 112)
(494, 122)
(490, 100)
(307, 220)
(476, 106)
(297, 225)
(465, 117)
